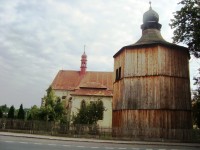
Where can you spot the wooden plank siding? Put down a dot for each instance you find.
(154, 61)
(119, 63)
(157, 92)
(157, 124)
(165, 119)
(153, 92)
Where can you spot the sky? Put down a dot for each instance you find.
(40, 37)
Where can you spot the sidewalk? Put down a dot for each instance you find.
(98, 141)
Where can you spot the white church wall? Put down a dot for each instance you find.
(64, 96)
(107, 102)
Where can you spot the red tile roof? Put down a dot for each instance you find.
(66, 80)
(89, 92)
(92, 83)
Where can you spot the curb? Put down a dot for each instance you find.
(97, 140)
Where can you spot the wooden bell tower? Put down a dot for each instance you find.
(152, 97)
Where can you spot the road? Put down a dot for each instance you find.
(22, 143)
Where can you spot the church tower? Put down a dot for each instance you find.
(83, 63)
(151, 98)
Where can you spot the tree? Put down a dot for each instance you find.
(33, 114)
(21, 113)
(1, 113)
(100, 110)
(186, 23)
(53, 109)
(59, 109)
(89, 114)
(196, 102)
(11, 112)
(82, 115)
(4, 108)
(47, 113)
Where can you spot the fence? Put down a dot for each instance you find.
(86, 131)
(55, 128)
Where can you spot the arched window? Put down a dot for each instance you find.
(100, 109)
(83, 104)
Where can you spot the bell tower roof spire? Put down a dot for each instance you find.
(84, 48)
(150, 32)
(150, 5)
(150, 28)
(150, 19)
(83, 63)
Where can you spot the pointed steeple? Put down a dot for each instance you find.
(83, 63)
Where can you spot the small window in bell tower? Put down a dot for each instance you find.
(119, 72)
(116, 76)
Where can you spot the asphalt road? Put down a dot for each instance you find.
(21, 143)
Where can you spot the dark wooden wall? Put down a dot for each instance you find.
(154, 91)
(152, 124)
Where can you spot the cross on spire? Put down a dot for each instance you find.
(84, 48)
(150, 4)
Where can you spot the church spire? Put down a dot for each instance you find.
(150, 5)
(83, 63)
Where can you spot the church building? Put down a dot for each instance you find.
(76, 87)
(148, 94)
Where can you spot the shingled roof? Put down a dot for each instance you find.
(91, 83)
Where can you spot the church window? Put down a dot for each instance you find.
(100, 109)
(63, 97)
(58, 100)
(83, 104)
